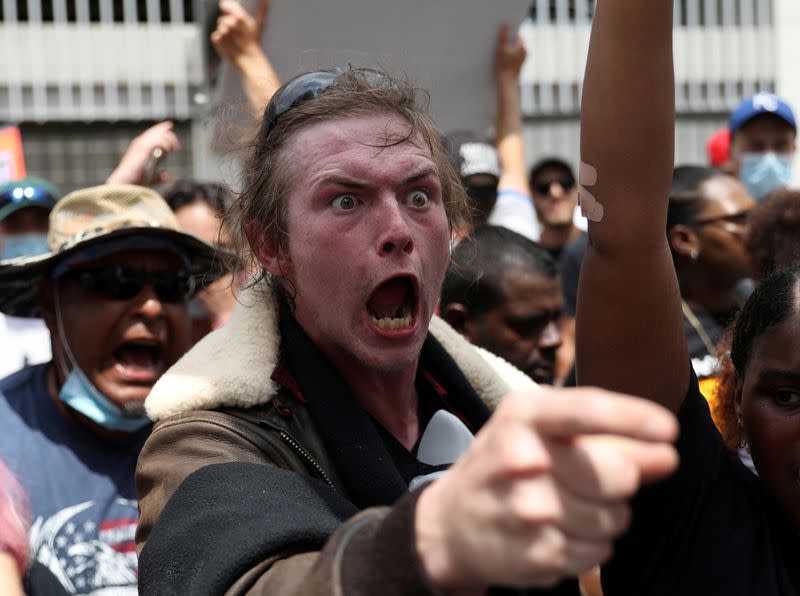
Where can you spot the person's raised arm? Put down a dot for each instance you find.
(139, 164)
(509, 56)
(237, 38)
(629, 326)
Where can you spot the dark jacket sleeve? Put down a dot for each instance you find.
(226, 526)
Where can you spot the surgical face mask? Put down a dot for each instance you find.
(24, 245)
(80, 394)
(763, 173)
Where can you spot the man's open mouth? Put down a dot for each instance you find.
(393, 304)
(140, 355)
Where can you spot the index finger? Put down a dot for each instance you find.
(502, 38)
(567, 413)
(230, 7)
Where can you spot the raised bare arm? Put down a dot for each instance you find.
(629, 326)
(509, 56)
(238, 40)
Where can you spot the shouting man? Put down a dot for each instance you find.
(303, 448)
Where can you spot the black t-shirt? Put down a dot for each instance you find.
(404, 460)
(709, 529)
(570, 267)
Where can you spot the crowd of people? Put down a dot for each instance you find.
(404, 362)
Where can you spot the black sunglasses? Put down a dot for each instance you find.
(737, 219)
(543, 188)
(308, 86)
(124, 283)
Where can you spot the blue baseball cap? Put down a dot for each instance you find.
(763, 103)
(28, 192)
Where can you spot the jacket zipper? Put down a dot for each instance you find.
(296, 446)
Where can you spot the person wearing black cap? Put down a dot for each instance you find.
(763, 142)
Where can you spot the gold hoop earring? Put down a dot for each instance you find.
(741, 435)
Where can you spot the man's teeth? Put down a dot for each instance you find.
(388, 323)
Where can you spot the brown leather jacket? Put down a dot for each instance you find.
(380, 554)
(370, 552)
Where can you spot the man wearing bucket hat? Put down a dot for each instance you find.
(113, 290)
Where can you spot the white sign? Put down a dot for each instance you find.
(444, 46)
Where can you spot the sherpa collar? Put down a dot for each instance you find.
(231, 367)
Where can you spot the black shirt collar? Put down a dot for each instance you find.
(351, 438)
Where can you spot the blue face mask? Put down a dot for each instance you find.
(24, 245)
(763, 173)
(81, 395)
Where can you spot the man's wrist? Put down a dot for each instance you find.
(433, 552)
(252, 58)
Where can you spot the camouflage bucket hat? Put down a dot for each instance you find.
(87, 220)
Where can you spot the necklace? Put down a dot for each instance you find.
(698, 327)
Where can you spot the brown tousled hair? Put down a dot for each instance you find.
(269, 169)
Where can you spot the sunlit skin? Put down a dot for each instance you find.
(524, 329)
(95, 328)
(555, 208)
(364, 209)
(768, 400)
(200, 220)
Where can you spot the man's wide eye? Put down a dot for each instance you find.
(418, 198)
(344, 202)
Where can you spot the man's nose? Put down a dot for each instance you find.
(148, 305)
(556, 190)
(396, 233)
(550, 338)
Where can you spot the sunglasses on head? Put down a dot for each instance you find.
(307, 87)
(118, 282)
(543, 188)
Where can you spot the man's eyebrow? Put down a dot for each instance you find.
(354, 184)
(779, 376)
(426, 173)
(341, 181)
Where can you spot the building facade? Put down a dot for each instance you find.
(82, 77)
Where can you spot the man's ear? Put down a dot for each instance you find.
(458, 317)
(265, 250)
(47, 306)
(684, 241)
